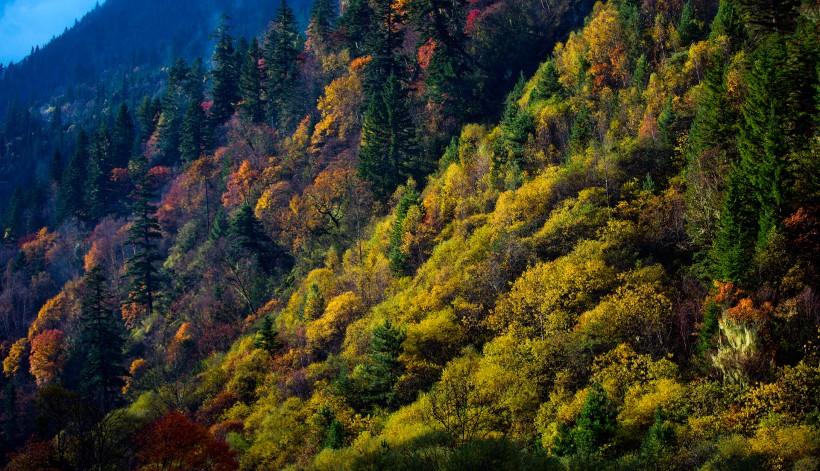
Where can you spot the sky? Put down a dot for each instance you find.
(28, 23)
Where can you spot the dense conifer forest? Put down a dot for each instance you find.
(413, 235)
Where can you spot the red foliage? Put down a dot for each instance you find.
(425, 54)
(176, 443)
(36, 456)
(472, 18)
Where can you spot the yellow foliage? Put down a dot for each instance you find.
(17, 351)
(641, 401)
(339, 313)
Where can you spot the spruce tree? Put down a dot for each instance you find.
(322, 23)
(687, 24)
(141, 269)
(250, 84)
(98, 190)
(192, 142)
(70, 197)
(225, 75)
(174, 103)
(282, 85)
(387, 156)
(267, 338)
(100, 344)
(122, 138)
(355, 25)
(147, 117)
(383, 368)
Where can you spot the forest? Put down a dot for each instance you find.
(414, 235)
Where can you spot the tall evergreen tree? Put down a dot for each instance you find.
(387, 156)
(383, 368)
(70, 197)
(225, 75)
(122, 138)
(98, 191)
(250, 84)
(282, 85)
(323, 17)
(354, 25)
(141, 269)
(192, 139)
(147, 117)
(100, 344)
(174, 103)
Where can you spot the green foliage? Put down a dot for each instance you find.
(397, 254)
(250, 84)
(595, 427)
(268, 338)
(70, 198)
(379, 374)
(388, 147)
(99, 348)
(225, 75)
(141, 265)
(282, 81)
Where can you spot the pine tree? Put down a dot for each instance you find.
(70, 197)
(250, 84)
(355, 25)
(382, 370)
(398, 258)
(383, 42)
(100, 344)
(282, 86)
(596, 423)
(387, 156)
(225, 75)
(141, 269)
(98, 191)
(733, 249)
(727, 22)
(687, 24)
(147, 117)
(548, 85)
(768, 16)
(267, 338)
(122, 138)
(192, 142)
(449, 73)
(322, 23)
(174, 103)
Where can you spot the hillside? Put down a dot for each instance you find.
(435, 234)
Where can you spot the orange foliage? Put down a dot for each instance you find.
(176, 443)
(240, 185)
(47, 355)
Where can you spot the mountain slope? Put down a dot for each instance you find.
(120, 35)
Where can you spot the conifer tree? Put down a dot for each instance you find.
(98, 191)
(225, 75)
(687, 24)
(70, 197)
(141, 269)
(173, 108)
(122, 138)
(267, 338)
(147, 117)
(282, 86)
(250, 84)
(192, 140)
(388, 143)
(355, 25)
(322, 23)
(100, 344)
(383, 368)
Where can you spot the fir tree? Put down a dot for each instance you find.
(282, 86)
(250, 84)
(70, 197)
(98, 190)
(267, 338)
(192, 142)
(225, 75)
(355, 25)
(322, 23)
(141, 269)
(687, 24)
(383, 368)
(147, 117)
(122, 138)
(398, 258)
(388, 141)
(100, 344)
(548, 85)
